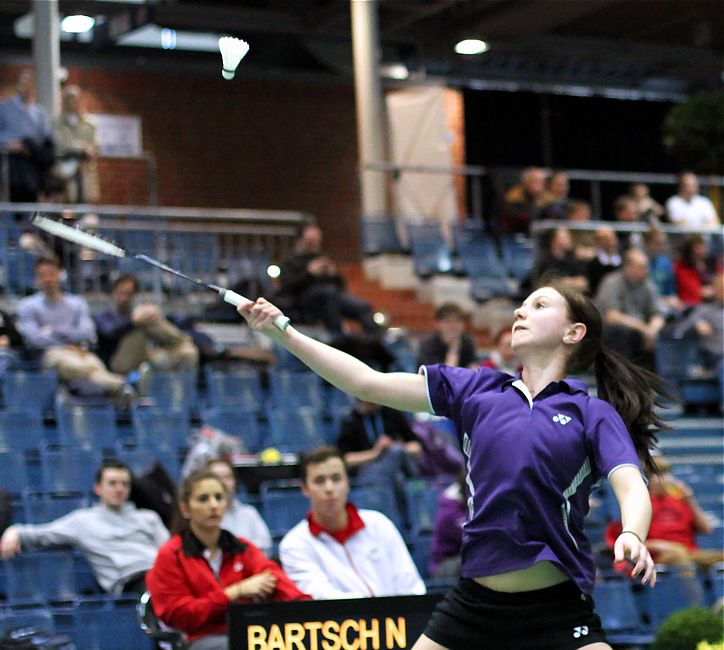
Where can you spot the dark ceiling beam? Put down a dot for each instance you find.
(415, 13)
(529, 18)
(244, 20)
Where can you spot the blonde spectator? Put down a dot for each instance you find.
(77, 151)
(646, 207)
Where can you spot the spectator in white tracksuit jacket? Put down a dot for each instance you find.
(339, 551)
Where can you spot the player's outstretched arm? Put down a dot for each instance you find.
(399, 390)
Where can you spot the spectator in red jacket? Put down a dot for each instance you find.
(203, 568)
(692, 272)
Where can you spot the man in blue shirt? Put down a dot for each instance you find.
(58, 327)
(26, 135)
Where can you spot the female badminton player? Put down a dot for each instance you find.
(534, 446)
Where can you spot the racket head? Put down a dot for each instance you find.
(76, 236)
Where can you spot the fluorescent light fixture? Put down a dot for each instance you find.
(77, 24)
(394, 71)
(471, 46)
(170, 39)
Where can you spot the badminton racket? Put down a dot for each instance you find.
(109, 248)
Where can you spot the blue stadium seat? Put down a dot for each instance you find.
(237, 421)
(85, 579)
(234, 388)
(296, 429)
(379, 236)
(30, 389)
(296, 389)
(674, 591)
(108, 623)
(518, 255)
(20, 429)
(376, 497)
(714, 540)
(42, 507)
(19, 272)
(161, 426)
(14, 474)
(430, 252)
(173, 389)
(26, 616)
(282, 506)
(615, 604)
(478, 252)
(90, 427)
(420, 553)
(422, 503)
(69, 469)
(140, 459)
(41, 576)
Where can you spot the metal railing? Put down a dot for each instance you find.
(218, 246)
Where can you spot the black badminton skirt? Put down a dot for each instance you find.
(555, 618)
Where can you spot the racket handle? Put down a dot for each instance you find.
(236, 299)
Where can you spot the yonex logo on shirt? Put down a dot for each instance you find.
(578, 632)
(561, 419)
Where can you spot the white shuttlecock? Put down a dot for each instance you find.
(232, 50)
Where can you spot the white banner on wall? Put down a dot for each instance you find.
(119, 136)
(419, 135)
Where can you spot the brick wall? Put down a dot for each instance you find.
(288, 145)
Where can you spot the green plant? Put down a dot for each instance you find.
(694, 132)
(683, 630)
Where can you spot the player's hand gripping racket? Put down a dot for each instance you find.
(109, 248)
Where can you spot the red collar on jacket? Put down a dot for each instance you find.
(193, 547)
(354, 525)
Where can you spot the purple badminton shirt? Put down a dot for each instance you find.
(531, 465)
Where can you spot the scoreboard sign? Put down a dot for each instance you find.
(389, 623)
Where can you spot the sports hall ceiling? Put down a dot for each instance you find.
(646, 46)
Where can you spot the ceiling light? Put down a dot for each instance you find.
(394, 71)
(77, 24)
(471, 46)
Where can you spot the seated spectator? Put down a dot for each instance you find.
(447, 536)
(203, 568)
(625, 212)
(662, 270)
(11, 343)
(646, 207)
(76, 167)
(559, 260)
(449, 345)
(58, 327)
(688, 208)
(130, 335)
(605, 259)
(628, 302)
(707, 320)
(240, 519)
(584, 241)
(312, 285)
(502, 356)
(524, 203)
(691, 271)
(339, 551)
(118, 540)
(25, 133)
(676, 518)
(380, 447)
(556, 196)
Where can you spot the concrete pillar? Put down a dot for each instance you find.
(46, 54)
(370, 105)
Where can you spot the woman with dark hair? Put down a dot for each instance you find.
(203, 568)
(534, 444)
(691, 271)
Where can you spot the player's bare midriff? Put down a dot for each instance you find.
(538, 576)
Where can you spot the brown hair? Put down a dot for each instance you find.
(179, 523)
(319, 455)
(449, 309)
(629, 388)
